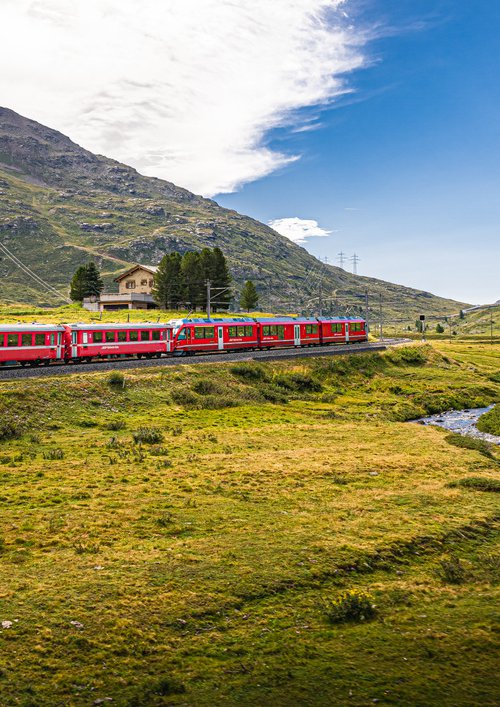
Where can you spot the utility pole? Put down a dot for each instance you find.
(341, 259)
(366, 310)
(491, 326)
(380, 318)
(208, 299)
(355, 261)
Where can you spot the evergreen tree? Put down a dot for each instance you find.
(192, 276)
(93, 281)
(221, 279)
(168, 289)
(249, 296)
(77, 287)
(86, 282)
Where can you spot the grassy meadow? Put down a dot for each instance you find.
(250, 534)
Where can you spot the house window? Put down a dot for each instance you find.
(130, 285)
(144, 283)
(151, 282)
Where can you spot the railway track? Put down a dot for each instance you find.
(8, 373)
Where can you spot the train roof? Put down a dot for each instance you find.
(31, 327)
(84, 326)
(212, 320)
(340, 319)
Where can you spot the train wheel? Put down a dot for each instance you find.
(23, 363)
(46, 362)
(139, 356)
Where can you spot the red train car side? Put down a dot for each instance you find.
(199, 335)
(31, 344)
(83, 342)
(342, 330)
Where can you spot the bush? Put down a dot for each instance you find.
(490, 421)
(116, 379)
(298, 382)
(477, 483)
(411, 356)
(251, 372)
(451, 570)
(115, 425)
(470, 443)
(185, 397)
(9, 429)
(205, 386)
(53, 454)
(353, 605)
(148, 435)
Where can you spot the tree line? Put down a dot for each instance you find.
(181, 281)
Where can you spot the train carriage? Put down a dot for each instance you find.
(216, 334)
(83, 342)
(31, 344)
(342, 330)
(288, 331)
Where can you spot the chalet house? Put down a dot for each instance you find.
(135, 287)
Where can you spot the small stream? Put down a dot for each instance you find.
(463, 422)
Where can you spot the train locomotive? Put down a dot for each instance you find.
(40, 344)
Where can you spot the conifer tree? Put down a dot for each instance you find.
(86, 282)
(192, 276)
(249, 296)
(221, 279)
(168, 289)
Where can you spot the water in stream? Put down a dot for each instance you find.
(462, 422)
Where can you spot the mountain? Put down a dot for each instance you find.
(61, 205)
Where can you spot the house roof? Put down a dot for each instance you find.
(149, 268)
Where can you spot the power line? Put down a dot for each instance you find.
(30, 273)
(341, 259)
(354, 260)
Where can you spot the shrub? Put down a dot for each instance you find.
(159, 451)
(116, 379)
(470, 443)
(451, 570)
(185, 397)
(298, 382)
(251, 372)
(115, 425)
(410, 356)
(490, 421)
(205, 386)
(53, 454)
(353, 605)
(9, 429)
(148, 435)
(273, 394)
(477, 483)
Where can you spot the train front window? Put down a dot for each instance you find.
(12, 340)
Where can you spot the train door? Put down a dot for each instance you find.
(296, 334)
(220, 337)
(347, 332)
(168, 335)
(59, 350)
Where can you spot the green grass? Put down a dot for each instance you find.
(490, 421)
(203, 560)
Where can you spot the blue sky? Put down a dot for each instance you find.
(405, 171)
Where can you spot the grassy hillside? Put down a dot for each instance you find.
(187, 537)
(61, 206)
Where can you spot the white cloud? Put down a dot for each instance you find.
(298, 229)
(187, 90)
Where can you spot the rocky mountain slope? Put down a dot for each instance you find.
(61, 205)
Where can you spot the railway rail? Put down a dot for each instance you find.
(8, 373)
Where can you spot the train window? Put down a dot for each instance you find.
(143, 335)
(39, 339)
(311, 328)
(266, 331)
(85, 337)
(155, 335)
(97, 337)
(122, 336)
(273, 330)
(12, 339)
(182, 335)
(281, 332)
(357, 326)
(336, 328)
(26, 339)
(52, 339)
(248, 331)
(241, 330)
(110, 336)
(209, 332)
(133, 335)
(231, 331)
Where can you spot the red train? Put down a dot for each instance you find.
(36, 344)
